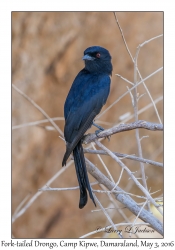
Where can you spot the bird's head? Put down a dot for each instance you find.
(97, 60)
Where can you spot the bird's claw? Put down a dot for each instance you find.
(98, 131)
(108, 137)
(83, 140)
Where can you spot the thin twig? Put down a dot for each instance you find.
(124, 199)
(107, 208)
(135, 106)
(146, 78)
(141, 110)
(135, 97)
(134, 60)
(46, 120)
(47, 188)
(29, 203)
(37, 122)
(39, 108)
(21, 205)
(126, 80)
(153, 38)
(115, 204)
(119, 192)
(117, 183)
(149, 94)
(125, 156)
(98, 230)
(130, 174)
(143, 137)
(153, 102)
(139, 213)
(104, 165)
(121, 31)
(107, 216)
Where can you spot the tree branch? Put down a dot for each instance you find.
(124, 127)
(125, 199)
(39, 108)
(131, 157)
(131, 175)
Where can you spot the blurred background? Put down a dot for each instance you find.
(47, 48)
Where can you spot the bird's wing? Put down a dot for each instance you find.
(86, 97)
(87, 103)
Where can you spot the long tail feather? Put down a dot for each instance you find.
(82, 175)
(70, 146)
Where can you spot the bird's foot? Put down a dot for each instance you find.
(97, 132)
(98, 126)
(108, 137)
(83, 140)
(100, 130)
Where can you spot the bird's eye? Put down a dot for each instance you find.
(98, 55)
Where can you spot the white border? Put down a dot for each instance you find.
(5, 92)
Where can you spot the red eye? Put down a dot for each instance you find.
(98, 55)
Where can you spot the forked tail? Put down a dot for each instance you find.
(82, 175)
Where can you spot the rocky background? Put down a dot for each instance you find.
(47, 48)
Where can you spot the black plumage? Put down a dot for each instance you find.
(85, 99)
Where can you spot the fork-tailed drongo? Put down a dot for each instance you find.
(85, 99)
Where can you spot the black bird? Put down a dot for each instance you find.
(85, 100)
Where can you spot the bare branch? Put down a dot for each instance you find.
(117, 183)
(39, 108)
(135, 106)
(37, 122)
(120, 192)
(123, 36)
(126, 80)
(124, 127)
(131, 157)
(139, 212)
(130, 174)
(141, 45)
(143, 137)
(146, 78)
(153, 38)
(47, 188)
(108, 227)
(107, 215)
(29, 203)
(21, 205)
(125, 199)
(104, 165)
(115, 204)
(141, 110)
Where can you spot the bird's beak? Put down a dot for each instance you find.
(87, 57)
